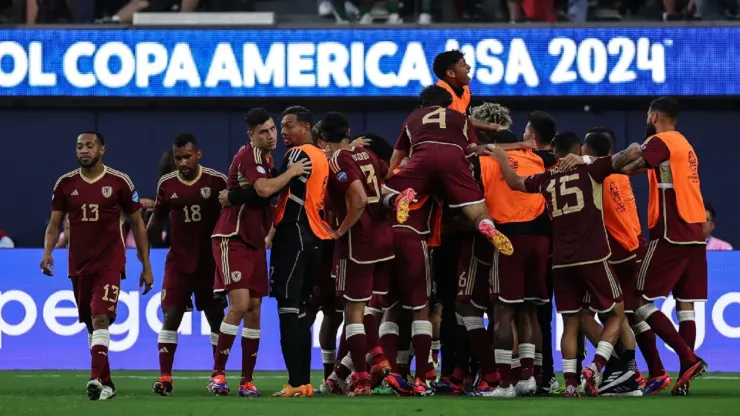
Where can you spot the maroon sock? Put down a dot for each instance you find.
(480, 344)
(503, 366)
(341, 369)
(687, 328)
(371, 331)
(647, 343)
(389, 343)
(166, 358)
(357, 342)
(99, 353)
(250, 346)
(226, 337)
(599, 361)
(462, 355)
(663, 327)
(421, 339)
(527, 368)
(537, 374)
(342, 350)
(105, 377)
(571, 379)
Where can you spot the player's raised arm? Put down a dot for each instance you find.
(50, 241)
(630, 161)
(514, 181)
(400, 149)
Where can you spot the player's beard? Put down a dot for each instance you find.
(650, 130)
(91, 163)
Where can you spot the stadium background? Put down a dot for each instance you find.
(46, 106)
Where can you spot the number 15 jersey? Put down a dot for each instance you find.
(574, 200)
(370, 240)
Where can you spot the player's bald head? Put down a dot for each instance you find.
(435, 95)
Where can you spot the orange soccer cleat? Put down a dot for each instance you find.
(290, 391)
(403, 203)
(499, 241)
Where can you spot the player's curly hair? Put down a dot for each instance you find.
(492, 113)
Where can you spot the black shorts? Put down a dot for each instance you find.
(295, 261)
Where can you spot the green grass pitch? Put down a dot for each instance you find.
(59, 393)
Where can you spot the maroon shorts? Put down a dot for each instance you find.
(324, 297)
(626, 273)
(440, 170)
(97, 294)
(680, 269)
(178, 290)
(376, 304)
(239, 266)
(593, 285)
(523, 275)
(357, 282)
(411, 274)
(473, 284)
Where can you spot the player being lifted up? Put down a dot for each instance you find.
(239, 247)
(581, 273)
(189, 196)
(439, 138)
(95, 197)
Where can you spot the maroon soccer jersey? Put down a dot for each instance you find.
(574, 201)
(193, 208)
(371, 238)
(252, 221)
(436, 125)
(95, 208)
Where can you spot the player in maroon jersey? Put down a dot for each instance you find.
(581, 273)
(189, 196)
(440, 138)
(95, 197)
(364, 240)
(238, 246)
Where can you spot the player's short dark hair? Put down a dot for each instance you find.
(97, 135)
(667, 106)
(183, 139)
(606, 131)
(504, 136)
(435, 95)
(543, 124)
(301, 114)
(316, 130)
(599, 143)
(335, 127)
(566, 142)
(378, 145)
(445, 61)
(255, 117)
(710, 209)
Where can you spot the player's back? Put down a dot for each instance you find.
(620, 211)
(574, 200)
(251, 221)
(193, 208)
(437, 126)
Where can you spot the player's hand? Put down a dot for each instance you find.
(300, 167)
(47, 265)
(146, 281)
(268, 242)
(529, 144)
(361, 141)
(223, 198)
(147, 203)
(500, 155)
(571, 161)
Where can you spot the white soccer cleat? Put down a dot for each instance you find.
(526, 387)
(324, 389)
(94, 389)
(505, 392)
(107, 393)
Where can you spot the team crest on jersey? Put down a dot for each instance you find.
(236, 276)
(261, 170)
(107, 191)
(342, 177)
(205, 192)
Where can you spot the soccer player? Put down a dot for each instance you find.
(95, 197)
(439, 139)
(189, 196)
(676, 260)
(364, 241)
(580, 250)
(297, 234)
(238, 246)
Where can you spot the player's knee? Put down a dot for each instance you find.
(100, 322)
(172, 319)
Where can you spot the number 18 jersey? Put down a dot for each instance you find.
(574, 201)
(370, 240)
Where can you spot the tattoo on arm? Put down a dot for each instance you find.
(636, 166)
(626, 157)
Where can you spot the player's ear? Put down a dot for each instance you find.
(102, 150)
(199, 155)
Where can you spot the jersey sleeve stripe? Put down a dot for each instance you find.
(257, 155)
(122, 176)
(165, 178)
(66, 175)
(334, 162)
(214, 172)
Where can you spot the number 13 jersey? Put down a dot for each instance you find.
(574, 201)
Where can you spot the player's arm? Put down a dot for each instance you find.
(50, 241)
(139, 229)
(400, 149)
(514, 181)
(156, 221)
(356, 202)
(266, 188)
(630, 160)
(484, 125)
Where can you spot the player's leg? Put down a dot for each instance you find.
(544, 318)
(379, 365)
(569, 351)
(435, 317)
(173, 300)
(507, 291)
(250, 344)
(103, 290)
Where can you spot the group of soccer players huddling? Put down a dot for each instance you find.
(405, 249)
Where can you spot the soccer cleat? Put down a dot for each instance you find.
(505, 392)
(571, 391)
(446, 386)
(681, 391)
(620, 384)
(378, 372)
(481, 390)
(697, 369)
(592, 379)
(431, 375)
(550, 385)
(290, 391)
(249, 390)
(398, 384)
(640, 379)
(217, 385)
(360, 387)
(308, 388)
(403, 202)
(163, 386)
(94, 388)
(382, 390)
(107, 393)
(420, 389)
(499, 241)
(526, 387)
(655, 385)
(337, 385)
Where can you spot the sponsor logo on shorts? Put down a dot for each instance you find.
(107, 191)
(236, 276)
(205, 192)
(342, 177)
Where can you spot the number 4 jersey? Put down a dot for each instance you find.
(370, 240)
(574, 200)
